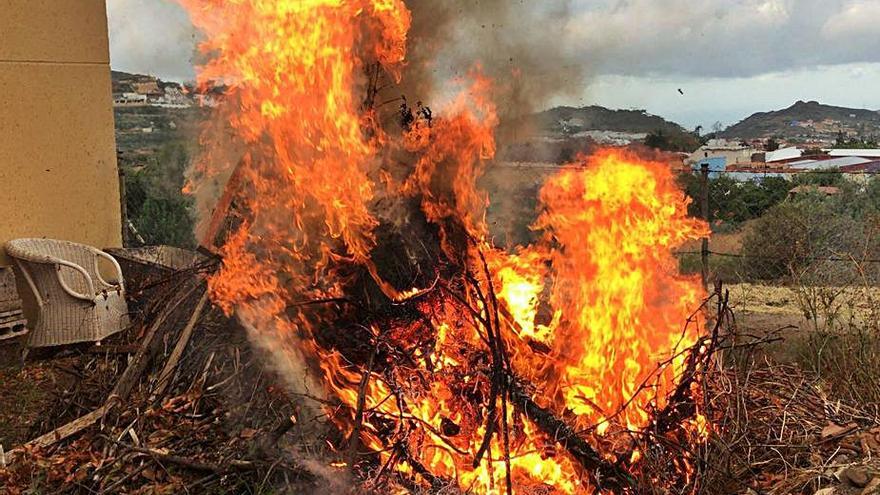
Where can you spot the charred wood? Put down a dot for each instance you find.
(605, 475)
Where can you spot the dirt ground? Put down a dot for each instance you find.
(27, 392)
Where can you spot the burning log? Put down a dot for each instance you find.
(605, 475)
(366, 257)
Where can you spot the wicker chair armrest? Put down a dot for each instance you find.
(119, 280)
(72, 293)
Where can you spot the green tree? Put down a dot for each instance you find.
(673, 141)
(872, 195)
(166, 221)
(154, 202)
(823, 178)
(657, 140)
(732, 202)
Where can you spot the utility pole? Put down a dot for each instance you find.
(704, 252)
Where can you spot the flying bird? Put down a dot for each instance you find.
(680, 91)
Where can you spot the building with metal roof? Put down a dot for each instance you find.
(784, 154)
(864, 153)
(828, 164)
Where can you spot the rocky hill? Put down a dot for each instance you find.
(569, 121)
(808, 120)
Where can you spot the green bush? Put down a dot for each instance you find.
(830, 177)
(731, 202)
(801, 239)
(166, 221)
(155, 205)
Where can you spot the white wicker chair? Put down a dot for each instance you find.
(75, 303)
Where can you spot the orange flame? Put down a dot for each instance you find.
(586, 314)
(624, 309)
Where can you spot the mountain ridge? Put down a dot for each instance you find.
(806, 119)
(568, 120)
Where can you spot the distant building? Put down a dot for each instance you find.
(174, 97)
(864, 153)
(206, 100)
(827, 164)
(130, 100)
(871, 167)
(784, 155)
(734, 153)
(716, 165)
(612, 138)
(149, 88)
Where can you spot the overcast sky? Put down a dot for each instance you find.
(731, 58)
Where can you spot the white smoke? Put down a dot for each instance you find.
(151, 37)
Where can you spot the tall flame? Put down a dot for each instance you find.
(593, 315)
(621, 308)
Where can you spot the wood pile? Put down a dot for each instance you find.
(12, 321)
(193, 408)
(190, 407)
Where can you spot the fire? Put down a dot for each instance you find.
(592, 317)
(623, 306)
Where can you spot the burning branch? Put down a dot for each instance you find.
(505, 352)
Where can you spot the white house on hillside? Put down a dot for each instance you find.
(734, 152)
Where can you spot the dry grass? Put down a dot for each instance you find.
(851, 306)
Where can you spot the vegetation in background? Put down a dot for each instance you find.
(815, 239)
(845, 142)
(731, 202)
(811, 239)
(160, 213)
(793, 234)
(676, 141)
(820, 178)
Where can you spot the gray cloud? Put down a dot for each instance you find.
(724, 38)
(731, 56)
(855, 23)
(702, 38)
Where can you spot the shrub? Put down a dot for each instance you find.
(166, 221)
(154, 202)
(731, 202)
(793, 238)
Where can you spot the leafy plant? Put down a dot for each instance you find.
(155, 205)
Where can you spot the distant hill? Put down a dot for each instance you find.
(118, 75)
(569, 121)
(806, 120)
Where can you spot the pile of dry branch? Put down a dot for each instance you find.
(182, 403)
(185, 403)
(777, 431)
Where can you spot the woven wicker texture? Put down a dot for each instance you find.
(76, 303)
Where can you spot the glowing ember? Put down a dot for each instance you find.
(592, 317)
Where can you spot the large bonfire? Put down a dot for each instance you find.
(356, 248)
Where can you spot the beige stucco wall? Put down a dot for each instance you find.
(58, 172)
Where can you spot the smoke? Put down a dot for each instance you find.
(520, 45)
(515, 44)
(152, 37)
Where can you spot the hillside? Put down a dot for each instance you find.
(808, 120)
(570, 121)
